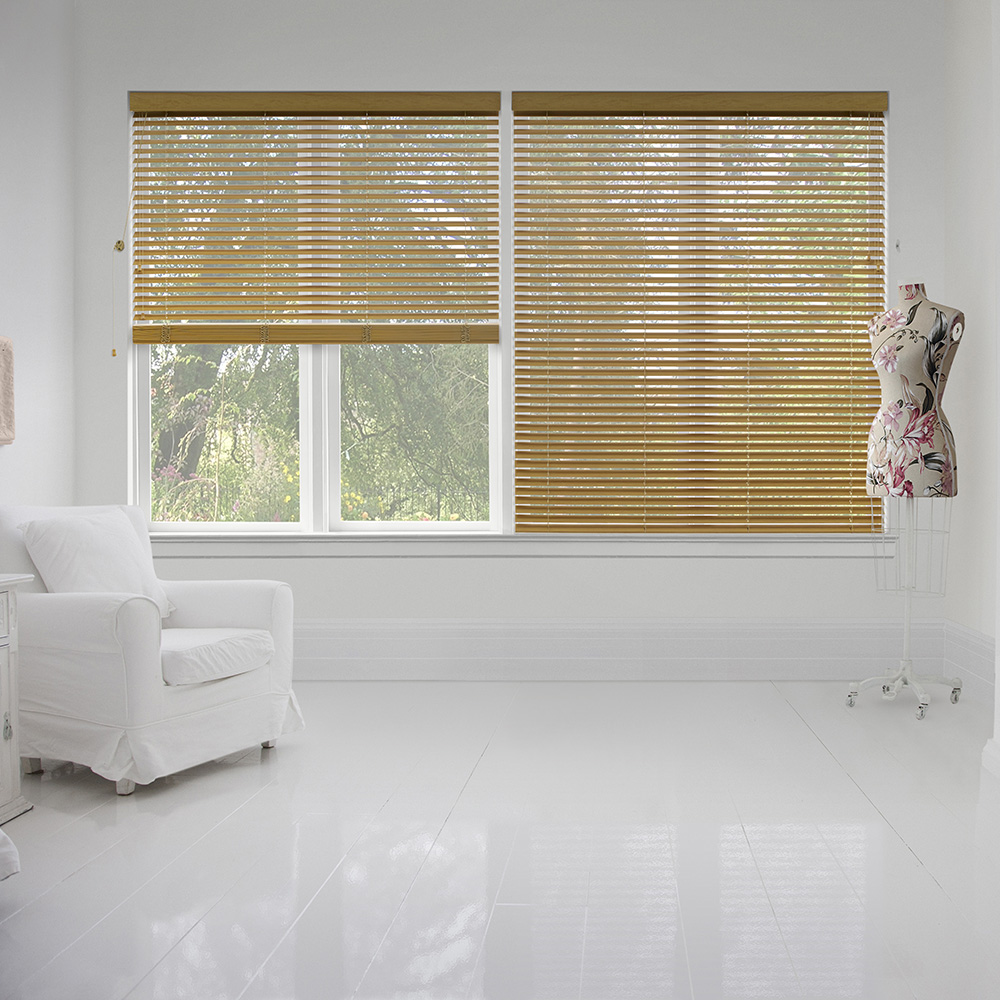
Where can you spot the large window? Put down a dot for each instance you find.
(318, 280)
(352, 238)
(693, 280)
(404, 429)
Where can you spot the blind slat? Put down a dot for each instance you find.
(317, 333)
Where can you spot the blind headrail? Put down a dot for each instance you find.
(757, 102)
(314, 102)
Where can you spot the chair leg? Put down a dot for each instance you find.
(125, 786)
(268, 744)
(31, 765)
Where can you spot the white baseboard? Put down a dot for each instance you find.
(641, 649)
(970, 655)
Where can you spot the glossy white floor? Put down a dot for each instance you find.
(444, 840)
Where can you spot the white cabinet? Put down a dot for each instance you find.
(12, 803)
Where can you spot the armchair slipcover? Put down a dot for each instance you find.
(92, 667)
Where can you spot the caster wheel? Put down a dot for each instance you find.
(888, 692)
(921, 712)
(955, 694)
(850, 701)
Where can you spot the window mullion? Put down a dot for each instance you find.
(502, 380)
(329, 452)
(140, 457)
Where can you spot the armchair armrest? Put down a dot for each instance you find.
(93, 656)
(263, 604)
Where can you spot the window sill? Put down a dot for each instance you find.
(246, 545)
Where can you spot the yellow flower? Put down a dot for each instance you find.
(287, 499)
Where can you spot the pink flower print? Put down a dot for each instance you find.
(894, 319)
(919, 432)
(891, 415)
(899, 485)
(886, 357)
(890, 320)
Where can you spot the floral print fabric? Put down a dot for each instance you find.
(911, 450)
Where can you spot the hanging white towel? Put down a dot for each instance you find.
(6, 390)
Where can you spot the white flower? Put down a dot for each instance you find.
(890, 415)
(890, 320)
(886, 357)
(894, 319)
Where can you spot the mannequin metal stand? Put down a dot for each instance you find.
(895, 680)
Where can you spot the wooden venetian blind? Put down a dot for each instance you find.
(298, 218)
(694, 276)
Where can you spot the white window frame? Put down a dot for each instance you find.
(319, 441)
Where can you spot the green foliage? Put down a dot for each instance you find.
(414, 432)
(225, 429)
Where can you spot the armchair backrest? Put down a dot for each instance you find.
(14, 556)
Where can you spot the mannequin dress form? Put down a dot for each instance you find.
(911, 450)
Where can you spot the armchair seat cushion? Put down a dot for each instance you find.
(196, 655)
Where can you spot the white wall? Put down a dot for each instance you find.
(928, 55)
(991, 754)
(968, 280)
(36, 249)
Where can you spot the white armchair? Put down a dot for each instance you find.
(105, 682)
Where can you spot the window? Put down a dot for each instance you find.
(414, 439)
(224, 433)
(694, 276)
(317, 277)
(265, 225)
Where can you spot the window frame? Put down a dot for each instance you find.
(319, 451)
(319, 446)
(142, 488)
(336, 525)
